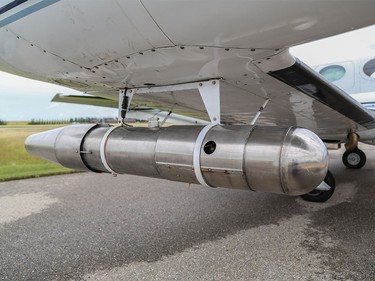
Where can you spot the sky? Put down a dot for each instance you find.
(23, 99)
(351, 45)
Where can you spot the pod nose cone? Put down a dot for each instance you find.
(43, 144)
(304, 162)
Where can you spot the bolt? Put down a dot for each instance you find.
(213, 82)
(200, 84)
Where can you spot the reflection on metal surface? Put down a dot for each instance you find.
(280, 160)
(303, 110)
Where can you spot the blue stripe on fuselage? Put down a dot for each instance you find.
(11, 5)
(29, 10)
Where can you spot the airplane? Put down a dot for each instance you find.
(355, 77)
(268, 114)
(352, 76)
(349, 75)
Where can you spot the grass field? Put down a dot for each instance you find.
(15, 161)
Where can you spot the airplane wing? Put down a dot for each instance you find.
(297, 95)
(156, 43)
(85, 100)
(164, 54)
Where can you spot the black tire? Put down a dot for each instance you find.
(321, 195)
(355, 159)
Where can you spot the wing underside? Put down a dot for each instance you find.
(112, 45)
(298, 96)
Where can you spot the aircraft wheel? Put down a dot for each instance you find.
(355, 159)
(320, 195)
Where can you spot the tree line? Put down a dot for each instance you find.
(81, 120)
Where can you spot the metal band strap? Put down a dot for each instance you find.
(103, 147)
(197, 153)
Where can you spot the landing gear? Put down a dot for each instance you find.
(323, 192)
(354, 159)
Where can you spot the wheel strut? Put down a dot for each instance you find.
(352, 142)
(353, 158)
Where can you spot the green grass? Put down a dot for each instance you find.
(15, 161)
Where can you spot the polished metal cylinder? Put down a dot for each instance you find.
(174, 153)
(280, 160)
(295, 158)
(222, 156)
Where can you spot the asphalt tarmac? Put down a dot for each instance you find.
(97, 227)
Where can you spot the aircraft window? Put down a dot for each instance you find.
(333, 72)
(369, 68)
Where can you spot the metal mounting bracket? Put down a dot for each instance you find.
(124, 100)
(210, 93)
(259, 112)
(167, 116)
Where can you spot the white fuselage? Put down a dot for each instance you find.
(355, 77)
